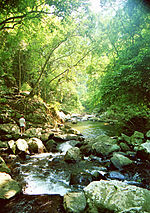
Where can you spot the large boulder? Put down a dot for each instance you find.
(120, 161)
(3, 166)
(8, 186)
(73, 155)
(104, 149)
(36, 145)
(100, 146)
(19, 146)
(74, 202)
(104, 145)
(116, 196)
(22, 145)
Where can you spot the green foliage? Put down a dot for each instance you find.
(63, 53)
(3, 100)
(26, 87)
(124, 87)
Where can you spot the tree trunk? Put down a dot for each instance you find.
(19, 66)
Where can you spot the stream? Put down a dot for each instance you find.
(48, 174)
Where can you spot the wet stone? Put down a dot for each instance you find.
(116, 175)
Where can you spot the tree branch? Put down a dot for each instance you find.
(18, 19)
(72, 65)
(44, 66)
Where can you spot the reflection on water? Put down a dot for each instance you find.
(92, 129)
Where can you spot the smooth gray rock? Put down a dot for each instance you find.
(116, 196)
(119, 161)
(73, 155)
(22, 145)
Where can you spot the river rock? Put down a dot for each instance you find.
(12, 146)
(120, 161)
(101, 146)
(77, 137)
(125, 138)
(74, 202)
(86, 149)
(9, 131)
(65, 137)
(3, 166)
(22, 145)
(72, 131)
(104, 149)
(3, 144)
(73, 155)
(144, 150)
(82, 179)
(51, 146)
(116, 175)
(74, 120)
(24, 203)
(124, 147)
(8, 186)
(137, 138)
(36, 145)
(116, 196)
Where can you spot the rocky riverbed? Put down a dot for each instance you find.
(77, 168)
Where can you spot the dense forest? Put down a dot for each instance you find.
(78, 59)
(74, 106)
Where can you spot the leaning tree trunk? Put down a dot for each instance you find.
(19, 66)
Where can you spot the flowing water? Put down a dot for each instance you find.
(41, 177)
(46, 177)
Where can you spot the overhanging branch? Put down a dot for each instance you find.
(67, 70)
(18, 19)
